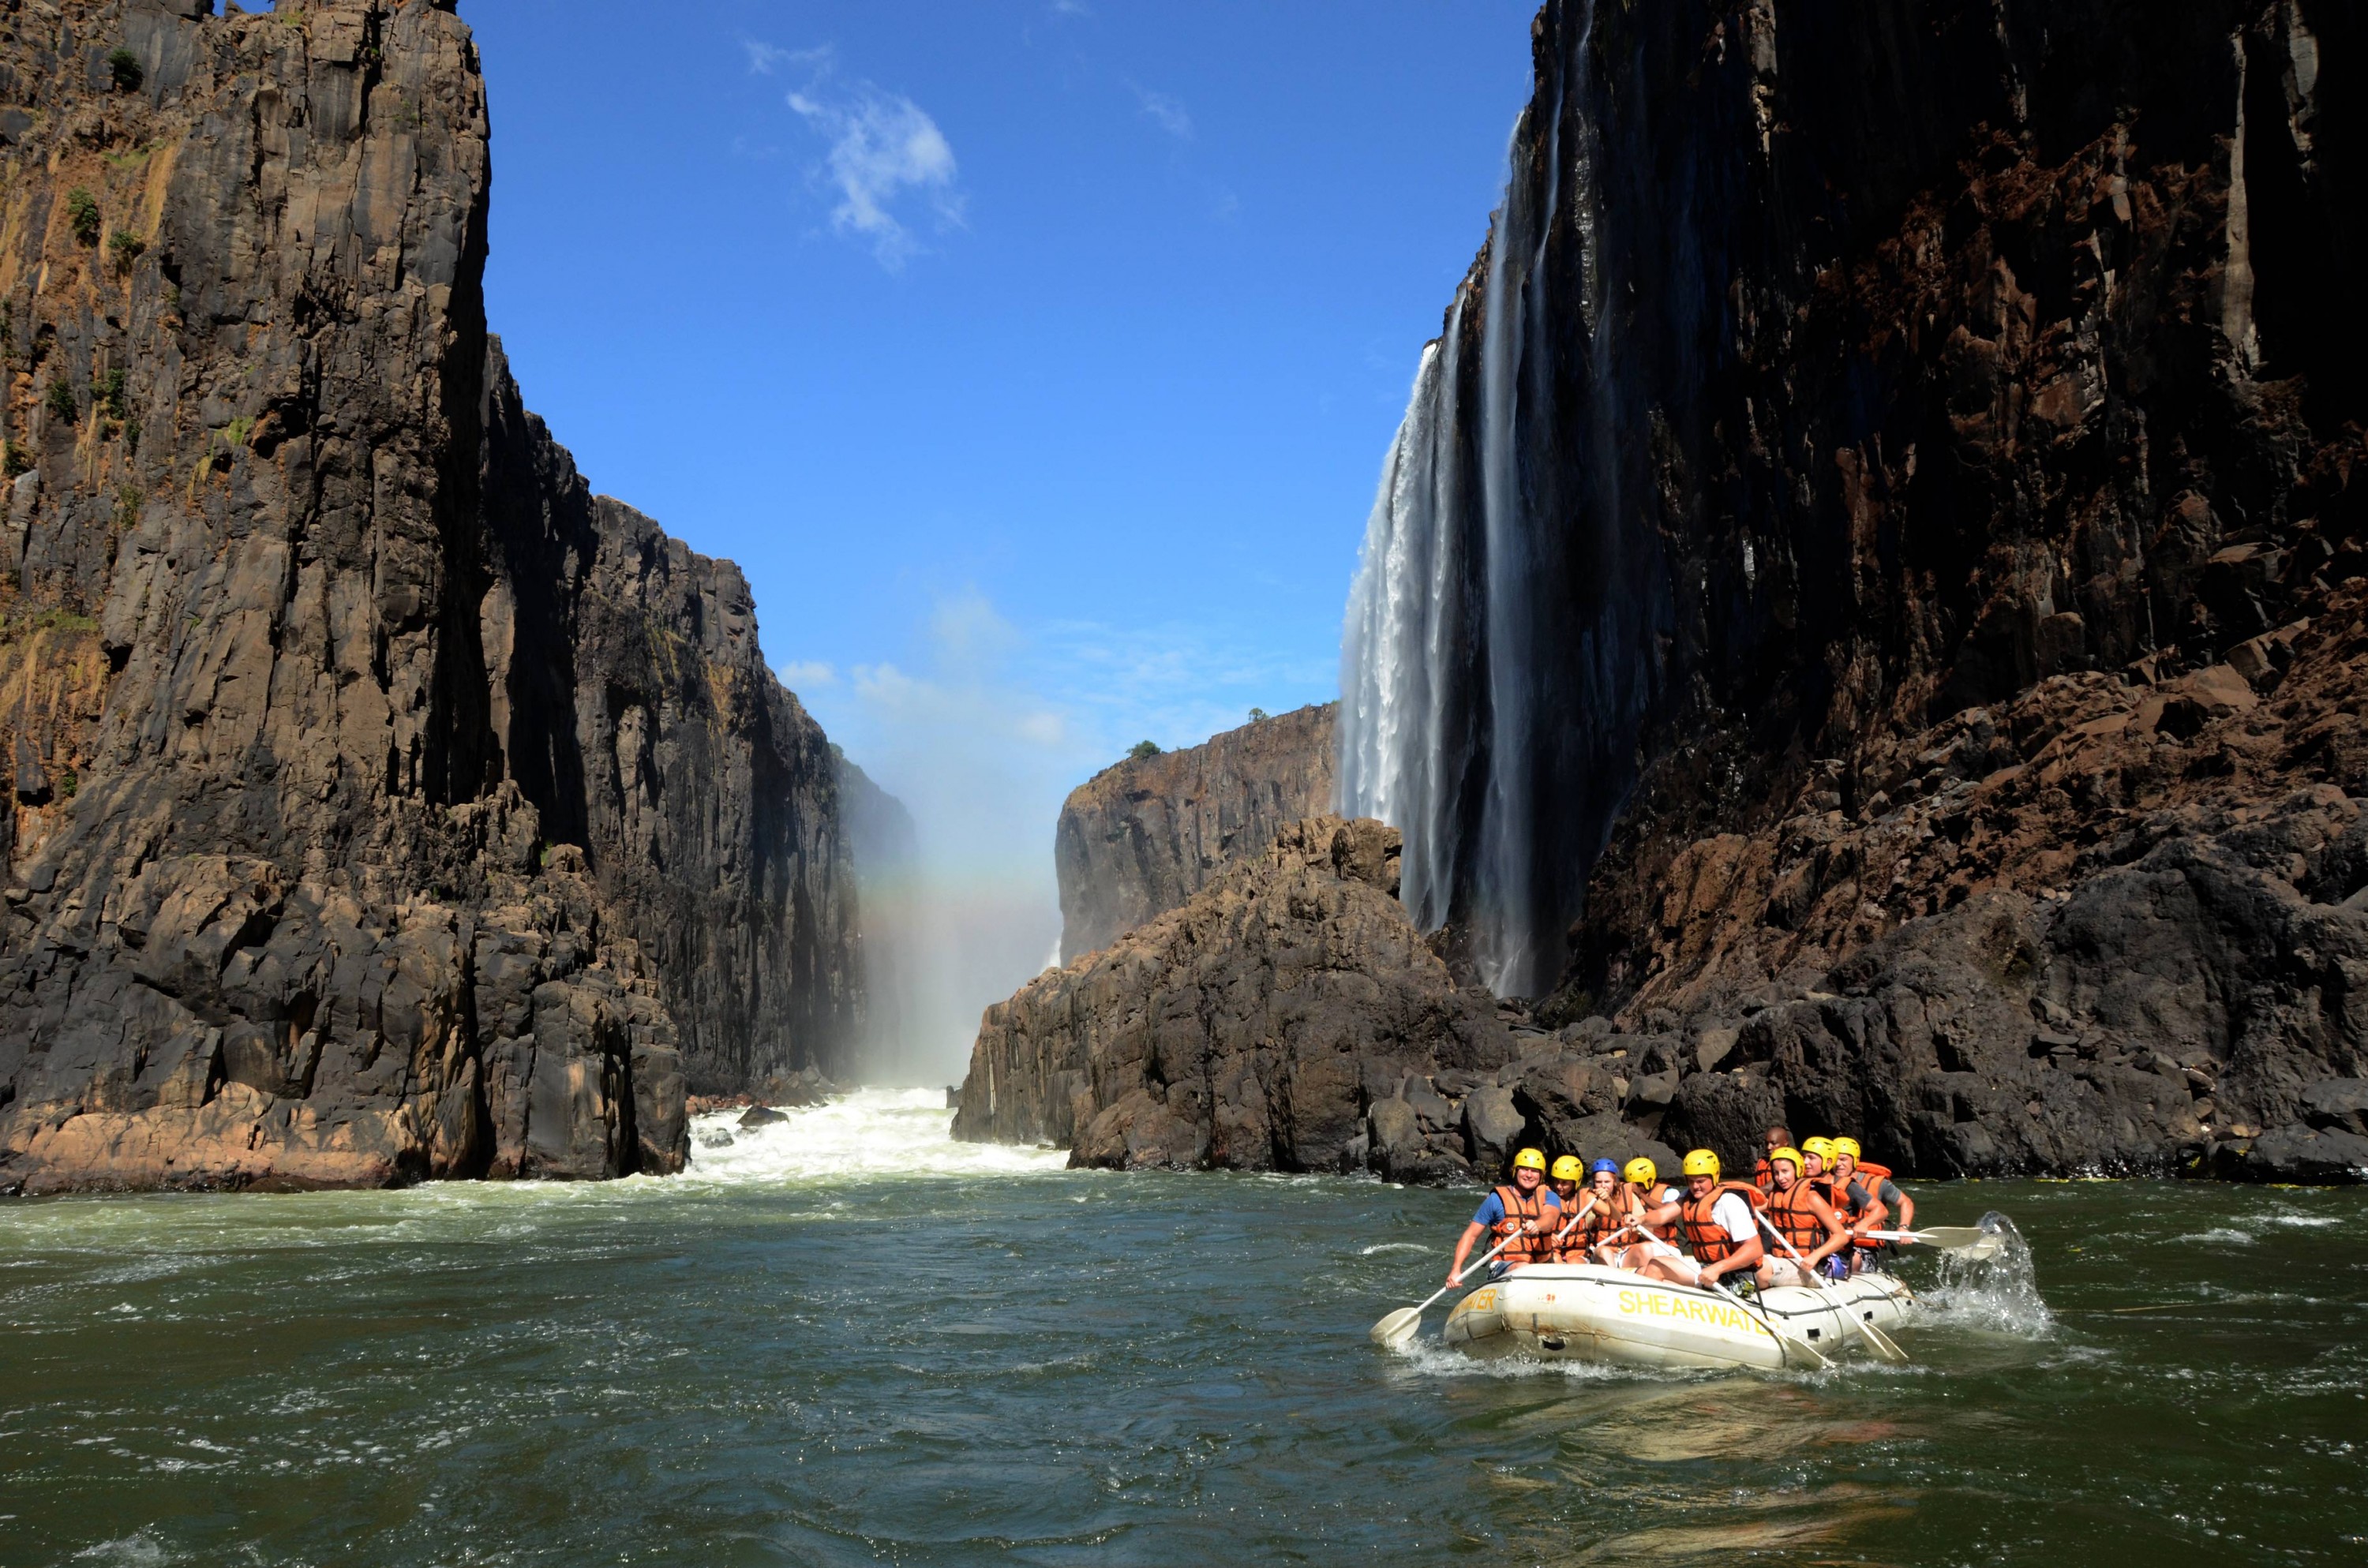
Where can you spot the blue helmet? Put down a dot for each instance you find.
(1602, 1166)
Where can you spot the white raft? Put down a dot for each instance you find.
(1583, 1312)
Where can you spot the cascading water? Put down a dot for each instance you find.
(1493, 667)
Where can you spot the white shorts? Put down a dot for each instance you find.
(1784, 1271)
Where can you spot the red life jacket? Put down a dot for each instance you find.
(1794, 1215)
(1707, 1236)
(1525, 1247)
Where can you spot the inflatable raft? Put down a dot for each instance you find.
(1563, 1311)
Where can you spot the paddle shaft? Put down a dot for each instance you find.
(1875, 1338)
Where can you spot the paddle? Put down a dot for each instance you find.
(1971, 1239)
(1786, 1345)
(1399, 1326)
(1876, 1340)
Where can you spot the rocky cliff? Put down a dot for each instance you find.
(386, 805)
(1141, 838)
(1871, 576)
(1289, 1017)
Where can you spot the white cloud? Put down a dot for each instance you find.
(1164, 110)
(764, 58)
(884, 148)
(1071, 8)
(801, 674)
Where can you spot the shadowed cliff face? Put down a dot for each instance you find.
(1889, 458)
(386, 805)
(1141, 838)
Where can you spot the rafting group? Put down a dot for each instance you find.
(1819, 1208)
(1607, 1263)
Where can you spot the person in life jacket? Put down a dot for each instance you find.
(1799, 1214)
(1719, 1225)
(1603, 1212)
(1564, 1179)
(1653, 1212)
(1763, 1175)
(1850, 1201)
(1524, 1212)
(1888, 1200)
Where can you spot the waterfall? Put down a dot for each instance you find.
(1488, 662)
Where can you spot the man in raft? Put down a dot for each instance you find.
(1719, 1223)
(1800, 1214)
(1858, 1208)
(1524, 1214)
(1875, 1181)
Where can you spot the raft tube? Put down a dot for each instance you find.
(1565, 1312)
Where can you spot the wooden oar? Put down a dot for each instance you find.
(1876, 1340)
(1400, 1325)
(1970, 1239)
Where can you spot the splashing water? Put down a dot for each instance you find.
(870, 1135)
(1996, 1292)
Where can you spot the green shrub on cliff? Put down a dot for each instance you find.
(125, 67)
(126, 249)
(63, 403)
(14, 459)
(82, 212)
(1142, 749)
(107, 395)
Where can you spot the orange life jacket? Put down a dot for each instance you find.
(1870, 1178)
(1602, 1218)
(1525, 1247)
(1763, 1176)
(1708, 1237)
(1794, 1215)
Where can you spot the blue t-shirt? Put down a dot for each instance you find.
(1492, 1207)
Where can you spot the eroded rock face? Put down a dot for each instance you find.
(1932, 441)
(386, 805)
(1141, 838)
(1289, 1016)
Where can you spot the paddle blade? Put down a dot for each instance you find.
(1882, 1344)
(1394, 1331)
(1958, 1238)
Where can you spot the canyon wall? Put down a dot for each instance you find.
(386, 805)
(1871, 576)
(1144, 836)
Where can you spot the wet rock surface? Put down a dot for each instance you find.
(1144, 836)
(386, 805)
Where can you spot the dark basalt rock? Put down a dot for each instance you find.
(1144, 836)
(387, 805)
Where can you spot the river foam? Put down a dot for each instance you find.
(869, 1135)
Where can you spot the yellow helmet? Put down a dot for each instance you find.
(1567, 1168)
(1701, 1162)
(1847, 1146)
(1821, 1147)
(1786, 1153)
(1529, 1159)
(1642, 1172)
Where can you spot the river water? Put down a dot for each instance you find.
(844, 1339)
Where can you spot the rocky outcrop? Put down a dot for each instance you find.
(386, 804)
(1253, 1028)
(1928, 445)
(1142, 837)
(1289, 1016)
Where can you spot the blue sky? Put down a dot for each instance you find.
(1036, 360)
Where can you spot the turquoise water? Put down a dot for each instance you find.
(806, 1353)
